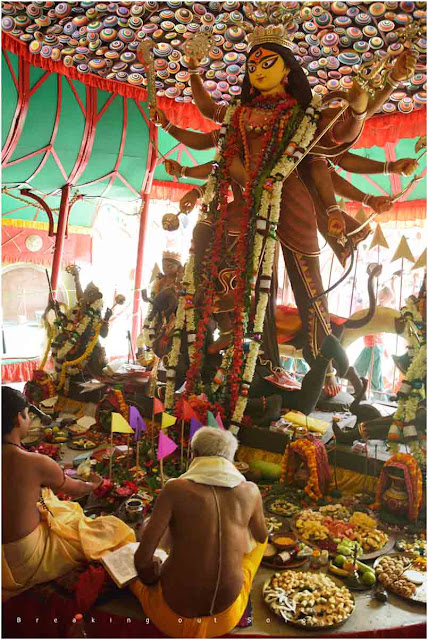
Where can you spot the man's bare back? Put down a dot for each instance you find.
(189, 576)
(20, 493)
(23, 476)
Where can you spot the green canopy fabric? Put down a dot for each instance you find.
(101, 140)
(66, 121)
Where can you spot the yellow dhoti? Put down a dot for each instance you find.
(176, 626)
(59, 544)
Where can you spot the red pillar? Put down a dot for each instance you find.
(144, 211)
(60, 235)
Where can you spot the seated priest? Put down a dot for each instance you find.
(213, 519)
(43, 537)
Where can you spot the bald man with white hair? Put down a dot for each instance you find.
(217, 536)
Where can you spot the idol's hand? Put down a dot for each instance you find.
(358, 98)
(158, 117)
(380, 204)
(336, 224)
(194, 62)
(404, 66)
(404, 167)
(188, 201)
(173, 168)
(73, 270)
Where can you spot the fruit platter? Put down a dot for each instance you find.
(356, 575)
(400, 574)
(416, 545)
(55, 435)
(82, 444)
(342, 536)
(308, 600)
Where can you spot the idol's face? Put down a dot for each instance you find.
(266, 71)
(170, 266)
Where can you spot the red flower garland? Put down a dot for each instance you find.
(284, 106)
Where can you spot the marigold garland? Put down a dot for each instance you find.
(84, 356)
(123, 406)
(310, 451)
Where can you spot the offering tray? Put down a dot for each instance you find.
(364, 556)
(290, 605)
(73, 444)
(273, 505)
(420, 595)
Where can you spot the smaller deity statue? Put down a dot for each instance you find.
(305, 464)
(399, 490)
(160, 319)
(75, 348)
(73, 339)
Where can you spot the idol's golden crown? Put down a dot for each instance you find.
(277, 34)
(171, 255)
(276, 28)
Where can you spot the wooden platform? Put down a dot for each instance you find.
(275, 442)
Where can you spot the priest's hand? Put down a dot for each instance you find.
(95, 480)
(404, 167)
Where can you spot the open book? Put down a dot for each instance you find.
(120, 563)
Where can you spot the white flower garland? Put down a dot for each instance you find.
(408, 404)
(185, 317)
(271, 204)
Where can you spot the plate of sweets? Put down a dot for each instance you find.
(308, 600)
(402, 574)
(342, 536)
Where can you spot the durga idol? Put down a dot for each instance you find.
(261, 141)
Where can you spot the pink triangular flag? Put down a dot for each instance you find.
(136, 421)
(219, 421)
(157, 406)
(166, 446)
(194, 426)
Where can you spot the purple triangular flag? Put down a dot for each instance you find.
(194, 426)
(166, 446)
(136, 421)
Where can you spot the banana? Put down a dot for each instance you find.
(339, 572)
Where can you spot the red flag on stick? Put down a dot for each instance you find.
(157, 406)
